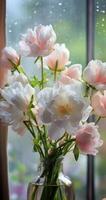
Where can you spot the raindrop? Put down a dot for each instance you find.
(97, 6)
(60, 3)
(50, 12)
(10, 31)
(102, 25)
(102, 11)
(37, 3)
(15, 23)
(97, 10)
(103, 20)
(35, 12)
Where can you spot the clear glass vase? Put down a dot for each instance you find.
(40, 191)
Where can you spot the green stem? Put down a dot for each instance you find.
(96, 122)
(55, 71)
(42, 79)
(36, 59)
(87, 88)
(64, 144)
(51, 177)
(20, 70)
(32, 127)
(67, 148)
(61, 194)
(29, 128)
(40, 151)
(35, 120)
(45, 140)
(33, 135)
(60, 138)
(43, 137)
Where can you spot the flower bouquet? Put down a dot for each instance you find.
(55, 108)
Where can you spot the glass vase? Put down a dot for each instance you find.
(40, 191)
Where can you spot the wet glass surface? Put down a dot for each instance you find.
(100, 46)
(69, 21)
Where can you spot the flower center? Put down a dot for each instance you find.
(62, 105)
(65, 109)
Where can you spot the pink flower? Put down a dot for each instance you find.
(9, 56)
(95, 74)
(73, 72)
(59, 56)
(38, 42)
(88, 139)
(99, 103)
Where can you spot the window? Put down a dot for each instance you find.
(69, 21)
(100, 43)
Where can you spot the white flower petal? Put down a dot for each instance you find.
(13, 110)
(55, 131)
(63, 107)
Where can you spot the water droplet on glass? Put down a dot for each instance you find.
(102, 11)
(35, 12)
(37, 3)
(15, 23)
(97, 6)
(102, 25)
(10, 31)
(50, 12)
(60, 3)
(97, 10)
(103, 20)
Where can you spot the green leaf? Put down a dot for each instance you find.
(35, 148)
(35, 82)
(76, 152)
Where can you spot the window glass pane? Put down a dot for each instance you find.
(68, 19)
(100, 36)
(100, 46)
